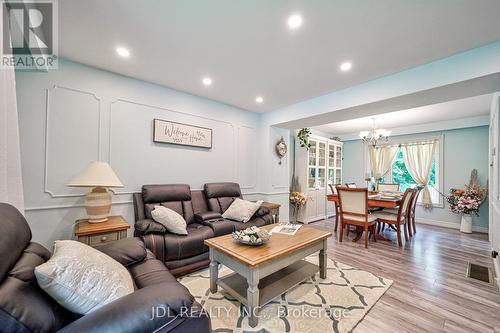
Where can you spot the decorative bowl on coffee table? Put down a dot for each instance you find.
(251, 236)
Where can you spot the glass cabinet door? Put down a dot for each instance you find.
(338, 157)
(312, 153)
(311, 177)
(321, 154)
(331, 156)
(331, 176)
(338, 176)
(321, 178)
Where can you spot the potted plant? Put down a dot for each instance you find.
(467, 201)
(303, 136)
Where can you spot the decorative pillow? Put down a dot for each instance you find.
(82, 279)
(241, 210)
(172, 220)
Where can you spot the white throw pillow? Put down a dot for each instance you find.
(81, 278)
(173, 221)
(241, 210)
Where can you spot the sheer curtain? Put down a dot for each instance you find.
(11, 186)
(418, 160)
(381, 159)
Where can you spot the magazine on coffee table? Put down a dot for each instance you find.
(286, 229)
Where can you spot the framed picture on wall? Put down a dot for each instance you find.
(165, 131)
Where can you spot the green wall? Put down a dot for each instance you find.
(464, 149)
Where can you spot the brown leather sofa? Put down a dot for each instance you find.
(202, 210)
(24, 307)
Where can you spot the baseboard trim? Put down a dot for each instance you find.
(450, 225)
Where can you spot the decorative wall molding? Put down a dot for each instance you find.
(236, 135)
(49, 207)
(127, 202)
(238, 166)
(123, 100)
(450, 225)
(47, 128)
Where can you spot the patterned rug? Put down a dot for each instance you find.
(336, 304)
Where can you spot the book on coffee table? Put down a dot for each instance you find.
(286, 229)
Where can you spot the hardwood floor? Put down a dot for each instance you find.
(430, 292)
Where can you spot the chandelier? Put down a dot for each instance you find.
(374, 136)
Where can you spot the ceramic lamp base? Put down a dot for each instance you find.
(98, 205)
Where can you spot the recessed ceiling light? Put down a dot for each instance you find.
(345, 66)
(123, 52)
(207, 81)
(259, 99)
(294, 21)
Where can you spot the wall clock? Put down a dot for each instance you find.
(281, 149)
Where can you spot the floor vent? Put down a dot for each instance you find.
(479, 272)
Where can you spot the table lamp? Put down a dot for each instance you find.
(97, 202)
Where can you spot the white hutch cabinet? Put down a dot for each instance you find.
(315, 169)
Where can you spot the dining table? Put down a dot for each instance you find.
(376, 200)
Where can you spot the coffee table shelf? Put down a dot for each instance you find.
(272, 285)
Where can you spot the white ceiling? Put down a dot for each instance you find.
(248, 50)
(457, 109)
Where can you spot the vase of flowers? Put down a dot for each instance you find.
(467, 201)
(297, 200)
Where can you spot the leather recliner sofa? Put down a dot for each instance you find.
(202, 210)
(159, 303)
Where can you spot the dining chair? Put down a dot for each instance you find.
(388, 187)
(333, 189)
(353, 208)
(351, 185)
(399, 219)
(411, 217)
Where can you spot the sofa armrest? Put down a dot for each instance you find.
(205, 216)
(262, 211)
(149, 309)
(127, 251)
(149, 226)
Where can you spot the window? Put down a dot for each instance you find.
(400, 175)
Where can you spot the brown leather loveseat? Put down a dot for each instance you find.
(202, 210)
(24, 307)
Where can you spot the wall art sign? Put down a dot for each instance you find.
(165, 131)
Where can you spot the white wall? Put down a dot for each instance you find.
(78, 114)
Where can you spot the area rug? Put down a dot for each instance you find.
(335, 304)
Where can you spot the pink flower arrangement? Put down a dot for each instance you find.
(297, 199)
(467, 201)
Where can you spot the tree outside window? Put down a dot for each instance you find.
(401, 176)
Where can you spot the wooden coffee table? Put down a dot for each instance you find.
(264, 272)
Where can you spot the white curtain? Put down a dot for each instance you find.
(11, 186)
(381, 160)
(418, 160)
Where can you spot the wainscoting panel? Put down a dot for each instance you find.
(72, 137)
(138, 160)
(247, 157)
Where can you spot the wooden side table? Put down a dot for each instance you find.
(275, 210)
(93, 234)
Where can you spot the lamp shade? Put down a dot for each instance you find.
(96, 174)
